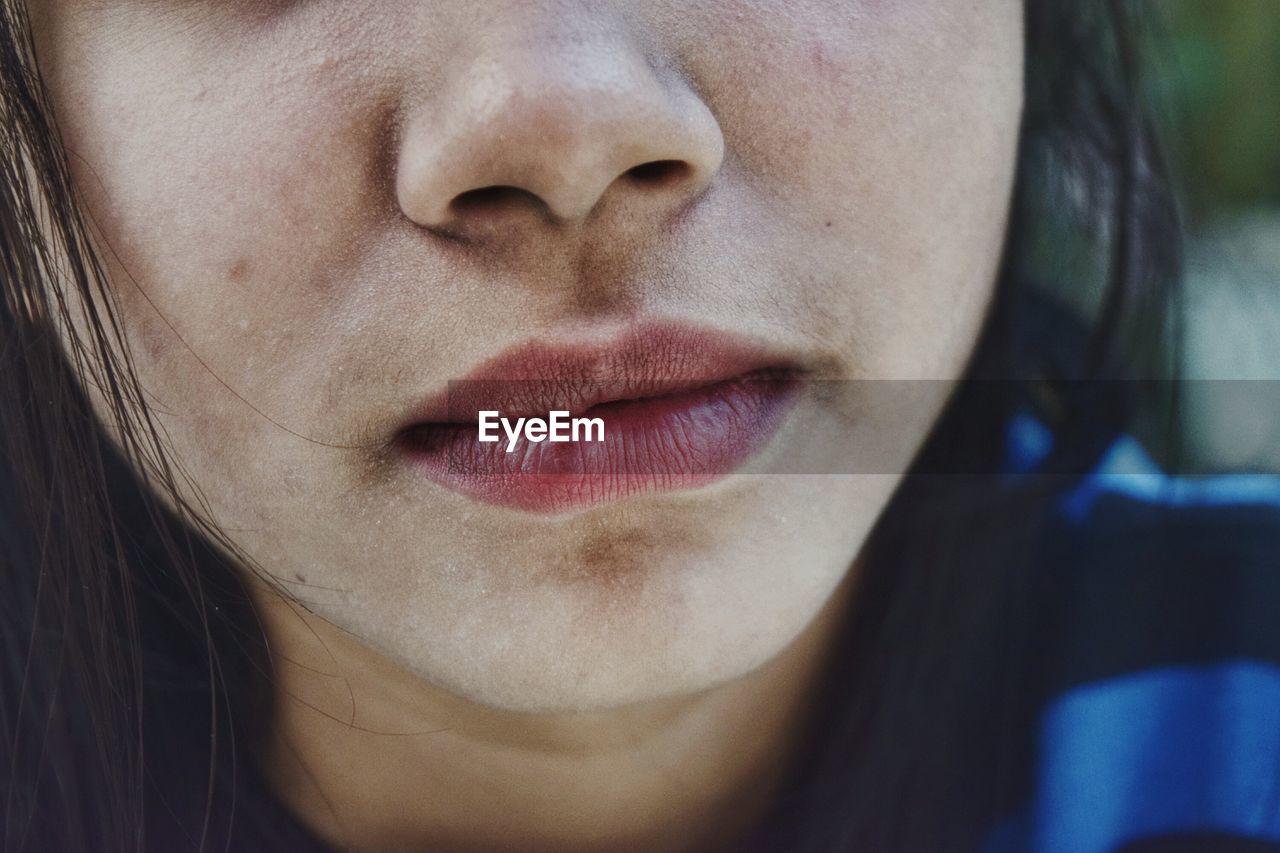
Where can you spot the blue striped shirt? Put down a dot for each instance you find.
(1162, 732)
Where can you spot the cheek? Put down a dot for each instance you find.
(840, 99)
(226, 252)
(886, 136)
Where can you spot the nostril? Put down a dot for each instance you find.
(492, 204)
(494, 200)
(657, 173)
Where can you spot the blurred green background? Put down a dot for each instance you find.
(1217, 69)
(1219, 72)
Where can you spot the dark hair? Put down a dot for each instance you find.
(134, 670)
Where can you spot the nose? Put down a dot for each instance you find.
(542, 128)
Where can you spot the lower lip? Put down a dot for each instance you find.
(680, 441)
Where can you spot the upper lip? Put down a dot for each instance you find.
(648, 360)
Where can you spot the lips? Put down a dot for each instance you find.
(681, 407)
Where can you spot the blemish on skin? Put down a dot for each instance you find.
(823, 64)
(615, 558)
(615, 563)
(818, 54)
(298, 576)
(828, 223)
(613, 572)
(239, 270)
(157, 339)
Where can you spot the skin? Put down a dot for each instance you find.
(270, 184)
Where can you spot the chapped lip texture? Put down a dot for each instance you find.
(681, 406)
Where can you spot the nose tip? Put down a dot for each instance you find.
(526, 137)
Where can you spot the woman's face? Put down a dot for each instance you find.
(284, 193)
